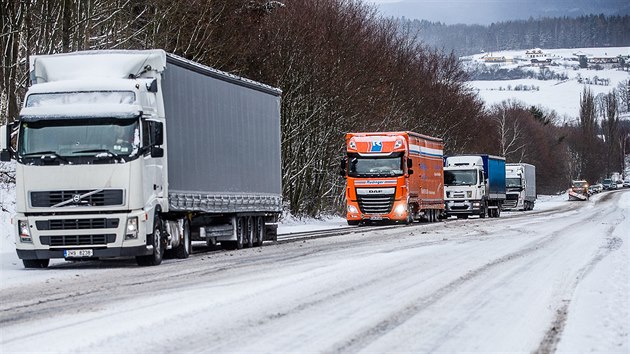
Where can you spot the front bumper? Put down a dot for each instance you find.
(104, 234)
(462, 207)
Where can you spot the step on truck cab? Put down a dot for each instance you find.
(393, 177)
(137, 153)
(520, 185)
(474, 185)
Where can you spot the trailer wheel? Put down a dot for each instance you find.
(250, 232)
(158, 249)
(260, 231)
(36, 263)
(185, 245)
(240, 232)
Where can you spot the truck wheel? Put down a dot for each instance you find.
(35, 263)
(484, 211)
(409, 215)
(158, 249)
(185, 244)
(250, 232)
(260, 231)
(498, 213)
(240, 233)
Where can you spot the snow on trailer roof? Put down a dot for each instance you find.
(92, 64)
(221, 75)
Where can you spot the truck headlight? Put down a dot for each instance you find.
(132, 228)
(400, 209)
(468, 194)
(352, 209)
(24, 231)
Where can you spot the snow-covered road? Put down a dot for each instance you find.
(553, 280)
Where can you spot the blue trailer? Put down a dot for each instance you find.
(474, 185)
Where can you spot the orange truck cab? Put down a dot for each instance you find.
(394, 176)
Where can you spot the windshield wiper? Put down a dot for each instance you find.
(43, 154)
(97, 151)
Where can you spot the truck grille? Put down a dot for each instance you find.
(77, 224)
(77, 240)
(375, 204)
(105, 197)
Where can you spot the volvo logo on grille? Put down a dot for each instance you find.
(76, 198)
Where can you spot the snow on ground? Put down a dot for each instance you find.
(561, 96)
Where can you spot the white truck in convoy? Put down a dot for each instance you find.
(474, 185)
(520, 184)
(137, 153)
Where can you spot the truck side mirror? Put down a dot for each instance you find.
(342, 168)
(409, 171)
(157, 151)
(5, 143)
(409, 164)
(157, 133)
(153, 86)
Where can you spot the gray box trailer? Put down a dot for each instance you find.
(223, 152)
(224, 140)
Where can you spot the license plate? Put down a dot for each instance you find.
(376, 217)
(78, 253)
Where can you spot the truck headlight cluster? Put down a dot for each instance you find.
(132, 228)
(24, 232)
(352, 209)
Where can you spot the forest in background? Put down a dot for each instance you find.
(549, 33)
(341, 68)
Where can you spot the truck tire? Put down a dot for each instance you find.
(240, 235)
(484, 211)
(158, 247)
(185, 244)
(36, 263)
(250, 233)
(260, 231)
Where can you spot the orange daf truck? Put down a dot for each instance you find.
(394, 176)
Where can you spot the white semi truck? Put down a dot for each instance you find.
(520, 184)
(137, 153)
(474, 185)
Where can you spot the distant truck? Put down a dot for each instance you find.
(393, 176)
(137, 153)
(474, 185)
(520, 185)
(579, 190)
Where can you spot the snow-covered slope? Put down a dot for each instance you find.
(561, 95)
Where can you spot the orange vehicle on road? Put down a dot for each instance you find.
(393, 176)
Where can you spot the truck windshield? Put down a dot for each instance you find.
(377, 166)
(78, 141)
(513, 182)
(460, 177)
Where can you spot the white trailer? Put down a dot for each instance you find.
(136, 153)
(520, 184)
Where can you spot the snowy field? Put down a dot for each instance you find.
(561, 96)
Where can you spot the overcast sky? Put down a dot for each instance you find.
(488, 11)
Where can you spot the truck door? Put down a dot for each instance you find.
(152, 141)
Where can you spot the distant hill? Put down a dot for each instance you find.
(485, 12)
(557, 32)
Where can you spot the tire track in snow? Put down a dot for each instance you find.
(553, 335)
(369, 335)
